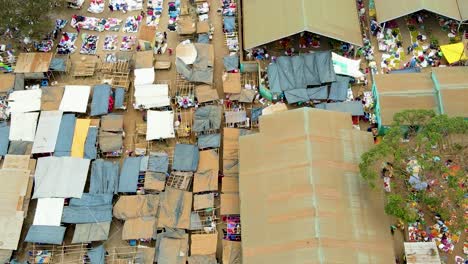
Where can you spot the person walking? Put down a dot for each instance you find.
(111, 8)
(165, 35)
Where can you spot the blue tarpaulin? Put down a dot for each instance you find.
(100, 103)
(256, 113)
(158, 163)
(90, 148)
(185, 157)
(119, 97)
(4, 141)
(104, 177)
(46, 234)
(90, 208)
(355, 108)
(58, 65)
(229, 23)
(97, 255)
(65, 136)
(209, 141)
(129, 174)
(203, 38)
(231, 63)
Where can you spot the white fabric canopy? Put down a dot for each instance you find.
(48, 211)
(345, 66)
(144, 76)
(160, 125)
(60, 177)
(23, 126)
(75, 98)
(152, 95)
(47, 132)
(25, 101)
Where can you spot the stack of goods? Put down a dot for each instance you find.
(155, 8)
(113, 24)
(127, 43)
(132, 24)
(110, 43)
(44, 46)
(202, 10)
(67, 43)
(126, 5)
(96, 6)
(60, 23)
(229, 7)
(89, 23)
(89, 45)
(174, 11)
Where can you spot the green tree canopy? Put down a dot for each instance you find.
(30, 17)
(431, 140)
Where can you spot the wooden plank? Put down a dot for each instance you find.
(33, 62)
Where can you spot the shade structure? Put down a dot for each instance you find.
(47, 132)
(269, 20)
(160, 125)
(75, 98)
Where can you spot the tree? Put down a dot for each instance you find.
(431, 140)
(28, 18)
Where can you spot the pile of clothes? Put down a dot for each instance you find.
(88, 23)
(132, 23)
(67, 43)
(96, 6)
(110, 43)
(174, 12)
(113, 24)
(127, 43)
(89, 45)
(154, 11)
(202, 11)
(44, 45)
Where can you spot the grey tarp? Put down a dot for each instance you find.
(300, 72)
(203, 38)
(119, 97)
(406, 70)
(247, 96)
(231, 63)
(144, 163)
(20, 147)
(90, 148)
(100, 103)
(158, 162)
(19, 82)
(85, 233)
(128, 179)
(97, 255)
(318, 93)
(46, 234)
(202, 259)
(90, 208)
(104, 176)
(202, 69)
(209, 141)
(355, 108)
(296, 95)
(171, 247)
(185, 157)
(58, 65)
(207, 118)
(256, 113)
(4, 141)
(229, 23)
(339, 89)
(65, 136)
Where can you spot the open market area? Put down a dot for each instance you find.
(236, 132)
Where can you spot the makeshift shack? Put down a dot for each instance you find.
(207, 118)
(206, 93)
(282, 165)
(186, 157)
(24, 101)
(174, 208)
(155, 176)
(206, 176)
(199, 69)
(422, 253)
(144, 59)
(111, 135)
(34, 65)
(75, 98)
(149, 96)
(172, 247)
(47, 132)
(128, 179)
(160, 125)
(100, 101)
(91, 208)
(51, 97)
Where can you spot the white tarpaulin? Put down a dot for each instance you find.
(160, 125)
(23, 126)
(345, 66)
(75, 98)
(186, 52)
(25, 101)
(48, 211)
(60, 177)
(152, 95)
(47, 132)
(144, 76)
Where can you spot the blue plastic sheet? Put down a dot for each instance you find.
(58, 65)
(229, 23)
(129, 174)
(90, 208)
(158, 163)
(97, 255)
(209, 141)
(339, 89)
(90, 148)
(231, 63)
(203, 38)
(104, 177)
(185, 157)
(119, 97)
(4, 141)
(65, 136)
(256, 113)
(46, 234)
(100, 103)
